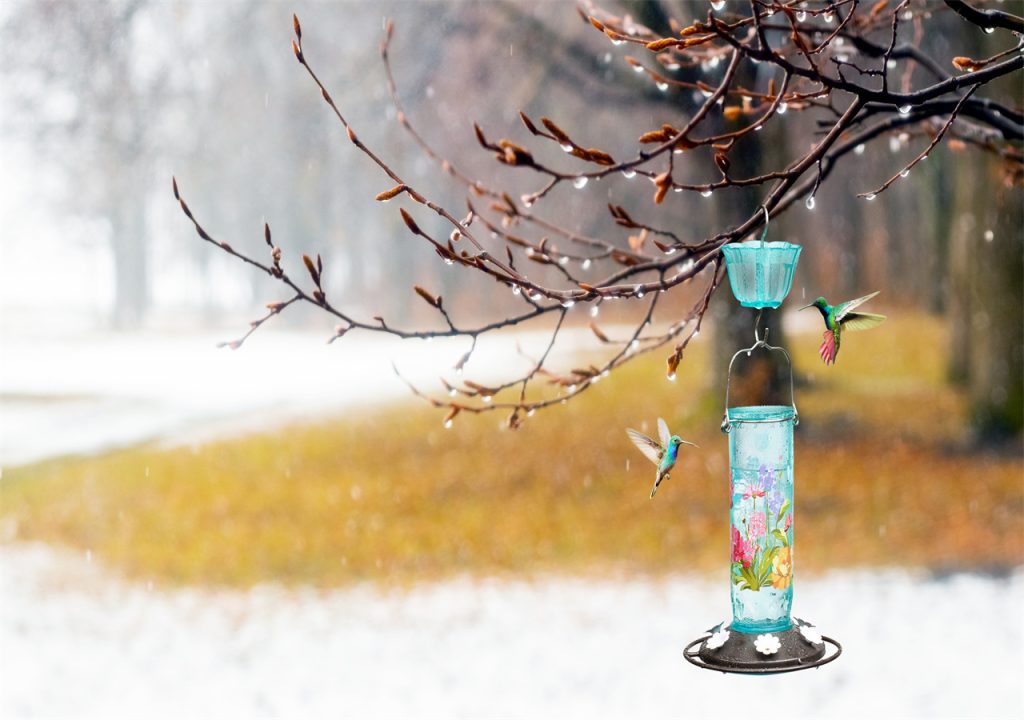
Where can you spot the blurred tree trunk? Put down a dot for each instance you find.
(987, 283)
(996, 367)
(759, 379)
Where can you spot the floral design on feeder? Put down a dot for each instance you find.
(762, 537)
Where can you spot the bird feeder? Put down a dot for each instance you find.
(762, 637)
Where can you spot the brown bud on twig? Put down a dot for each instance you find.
(298, 28)
(600, 335)
(662, 183)
(480, 138)
(393, 192)
(319, 296)
(663, 44)
(410, 223)
(266, 235)
(722, 161)
(313, 273)
(673, 362)
(598, 156)
(431, 300)
(275, 307)
(877, 8)
(966, 64)
(351, 134)
(654, 136)
(733, 112)
(298, 53)
(558, 132)
(528, 123)
(174, 184)
(624, 258)
(621, 216)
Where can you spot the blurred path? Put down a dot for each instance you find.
(75, 641)
(79, 395)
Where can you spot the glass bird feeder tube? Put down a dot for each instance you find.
(761, 516)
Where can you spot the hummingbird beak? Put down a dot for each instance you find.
(807, 306)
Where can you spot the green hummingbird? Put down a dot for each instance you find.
(841, 317)
(663, 454)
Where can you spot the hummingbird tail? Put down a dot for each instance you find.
(657, 483)
(828, 349)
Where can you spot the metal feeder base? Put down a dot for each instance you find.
(740, 655)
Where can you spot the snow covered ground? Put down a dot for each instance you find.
(61, 395)
(77, 642)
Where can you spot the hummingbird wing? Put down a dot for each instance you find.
(862, 321)
(844, 309)
(663, 432)
(651, 450)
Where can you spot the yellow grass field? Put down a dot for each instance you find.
(884, 477)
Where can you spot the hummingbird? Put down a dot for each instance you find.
(841, 317)
(663, 454)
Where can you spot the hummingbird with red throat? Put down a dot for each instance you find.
(839, 318)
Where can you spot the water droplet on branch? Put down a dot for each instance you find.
(580, 182)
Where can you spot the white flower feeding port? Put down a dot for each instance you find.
(767, 644)
(762, 637)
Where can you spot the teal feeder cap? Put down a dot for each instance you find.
(761, 273)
